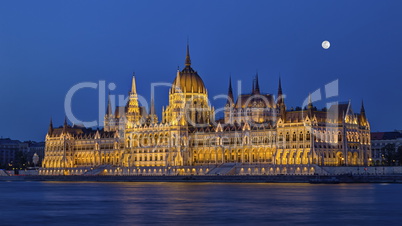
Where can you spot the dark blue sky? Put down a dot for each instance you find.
(46, 47)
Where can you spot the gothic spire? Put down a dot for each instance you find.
(178, 82)
(253, 87)
(65, 122)
(280, 94)
(133, 85)
(310, 102)
(362, 111)
(65, 125)
(152, 118)
(109, 110)
(188, 60)
(132, 110)
(50, 130)
(257, 85)
(280, 101)
(152, 108)
(230, 100)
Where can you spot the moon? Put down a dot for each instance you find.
(325, 44)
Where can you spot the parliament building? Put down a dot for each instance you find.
(258, 135)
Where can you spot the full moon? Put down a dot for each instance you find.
(325, 44)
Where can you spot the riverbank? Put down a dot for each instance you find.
(220, 179)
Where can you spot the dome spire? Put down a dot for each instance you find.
(188, 60)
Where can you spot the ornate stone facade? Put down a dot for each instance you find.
(257, 129)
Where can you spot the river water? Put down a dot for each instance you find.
(169, 203)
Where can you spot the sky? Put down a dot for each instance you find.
(47, 47)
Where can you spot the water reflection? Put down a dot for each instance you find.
(190, 203)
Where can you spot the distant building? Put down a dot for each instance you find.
(14, 152)
(381, 140)
(9, 149)
(38, 148)
(256, 129)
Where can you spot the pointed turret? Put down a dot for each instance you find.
(362, 115)
(109, 110)
(362, 110)
(230, 101)
(65, 122)
(178, 82)
(152, 108)
(310, 107)
(65, 125)
(280, 100)
(253, 87)
(257, 85)
(50, 130)
(188, 60)
(163, 115)
(310, 102)
(133, 110)
(108, 119)
(133, 85)
(153, 118)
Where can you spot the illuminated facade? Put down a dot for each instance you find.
(258, 135)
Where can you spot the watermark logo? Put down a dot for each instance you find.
(256, 109)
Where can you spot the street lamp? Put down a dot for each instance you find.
(35, 159)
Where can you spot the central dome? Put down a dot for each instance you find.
(190, 81)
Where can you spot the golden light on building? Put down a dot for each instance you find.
(258, 135)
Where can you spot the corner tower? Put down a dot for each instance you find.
(133, 109)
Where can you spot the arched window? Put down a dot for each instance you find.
(294, 136)
(308, 135)
(301, 136)
(287, 137)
